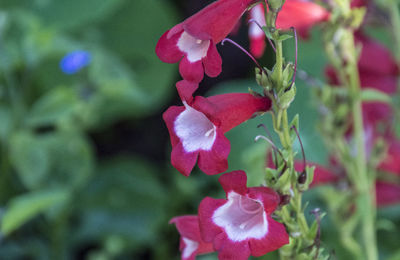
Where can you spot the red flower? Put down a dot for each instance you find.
(391, 163)
(256, 35)
(387, 193)
(197, 129)
(295, 13)
(193, 41)
(241, 225)
(191, 243)
(322, 175)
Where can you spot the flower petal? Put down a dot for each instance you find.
(215, 161)
(228, 250)
(186, 89)
(167, 49)
(269, 198)
(300, 14)
(234, 108)
(191, 71)
(169, 117)
(234, 181)
(206, 210)
(275, 239)
(183, 161)
(212, 62)
(216, 20)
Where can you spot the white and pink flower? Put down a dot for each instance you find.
(197, 129)
(193, 41)
(191, 243)
(241, 225)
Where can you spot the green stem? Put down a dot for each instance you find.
(393, 9)
(279, 62)
(365, 201)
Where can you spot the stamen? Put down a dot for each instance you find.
(259, 26)
(270, 137)
(198, 41)
(295, 58)
(317, 241)
(302, 148)
(246, 52)
(273, 147)
(209, 132)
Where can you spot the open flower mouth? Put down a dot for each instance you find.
(241, 218)
(195, 130)
(194, 48)
(190, 247)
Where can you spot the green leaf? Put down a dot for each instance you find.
(284, 37)
(267, 32)
(6, 120)
(153, 77)
(24, 207)
(74, 13)
(372, 95)
(30, 158)
(287, 97)
(54, 106)
(66, 155)
(105, 203)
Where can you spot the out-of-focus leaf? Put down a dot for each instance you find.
(124, 200)
(55, 105)
(58, 159)
(6, 122)
(30, 158)
(23, 208)
(74, 13)
(371, 95)
(27, 247)
(140, 33)
(71, 158)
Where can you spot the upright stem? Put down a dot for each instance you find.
(393, 9)
(279, 60)
(366, 192)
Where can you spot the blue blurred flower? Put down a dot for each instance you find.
(75, 61)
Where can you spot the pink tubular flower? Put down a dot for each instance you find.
(193, 41)
(191, 243)
(256, 35)
(197, 129)
(387, 193)
(391, 162)
(241, 225)
(299, 14)
(322, 175)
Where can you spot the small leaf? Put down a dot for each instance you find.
(23, 208)
(371, 95)
(267, 32)
(286, 98)
(284, 37)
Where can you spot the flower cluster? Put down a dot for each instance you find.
(241, 225)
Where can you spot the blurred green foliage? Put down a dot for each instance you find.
(60, 197)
